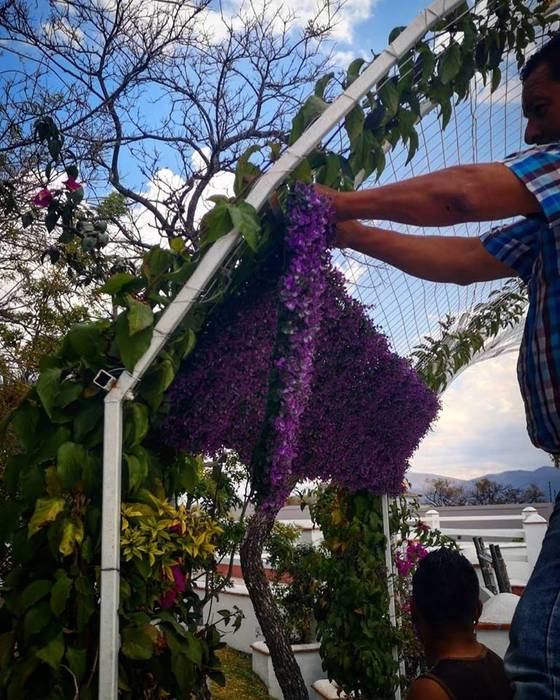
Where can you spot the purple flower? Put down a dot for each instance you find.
(179, 578)
(168, 599)
(43, 198)
(292, 370)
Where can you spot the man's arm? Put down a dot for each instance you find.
(426, 689)
(461, 260)
(455, 195)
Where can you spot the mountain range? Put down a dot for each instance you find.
(546, 478)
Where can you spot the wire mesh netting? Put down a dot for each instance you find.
(485, 127)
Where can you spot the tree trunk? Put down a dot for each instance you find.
(285, 666)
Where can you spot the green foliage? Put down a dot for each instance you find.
(297, 568)
(352, 599)
(52, 525)
(353, 625)
(475, 43)
(438, 360)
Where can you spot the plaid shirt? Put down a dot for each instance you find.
(531, 247)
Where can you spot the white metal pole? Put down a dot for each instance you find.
(176, 311)
(110, 546)
(390, 582)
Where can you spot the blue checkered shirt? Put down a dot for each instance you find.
(531, 247)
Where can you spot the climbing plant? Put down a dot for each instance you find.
(48, 624)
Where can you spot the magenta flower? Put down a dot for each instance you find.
(176, 529)
(71, 184)
(179, 578)
(168, 599)
(43, 198)
(404, 565)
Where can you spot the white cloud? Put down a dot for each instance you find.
(481, 428)
(161, 188)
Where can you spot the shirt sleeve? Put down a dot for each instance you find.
(515, 245)
(539, 170)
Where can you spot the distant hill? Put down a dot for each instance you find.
(518, 478)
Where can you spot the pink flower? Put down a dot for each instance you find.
(403, 565)
(179, 577)
(71, 184)
(43, 198)
(421, 525)
(168, 599)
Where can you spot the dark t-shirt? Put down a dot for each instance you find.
(480, 678)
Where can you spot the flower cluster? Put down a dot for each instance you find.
(179, 585)
(347, 409)
(407, 560)
(301, 297)
(45, 197)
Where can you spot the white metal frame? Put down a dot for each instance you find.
(176, 311)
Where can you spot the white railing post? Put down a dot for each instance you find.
(534, 527)
(432, 519)
(526, 512)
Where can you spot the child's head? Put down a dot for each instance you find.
(445, 595)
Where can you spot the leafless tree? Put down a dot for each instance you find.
(137, 87)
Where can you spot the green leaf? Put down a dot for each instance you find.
(312, 108)
(496, 79)
(87, 418)
(450, 63)
(70, 460)
(121, 282)
(389, 96)
(136, 423)
(137, 467)
(354, 123)
(34, 592)
(36, 619)
(216, 223)
(47, 388)
(60, 593)
(46, 510)
(322, 83)
(177, 244)
(77, 660)
(6, 648)
(354, 70)
(53, 652)
(69, 391)
(49, 444)
(84, 341)
(72, 172)
(72, 534)
(140, 316)
(184, 673)
(156, 383)
(395, 33)
(24, 422)
(157, 262)
(245, 169)
(138, 642)
(131, 348)
(77, 195)
(246, 219)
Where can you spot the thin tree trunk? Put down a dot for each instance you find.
(285, 666)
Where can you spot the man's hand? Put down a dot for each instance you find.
(333, 196)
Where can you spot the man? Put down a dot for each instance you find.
(445, 610)
(526, 184)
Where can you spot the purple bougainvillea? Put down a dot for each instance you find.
(293, 351)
